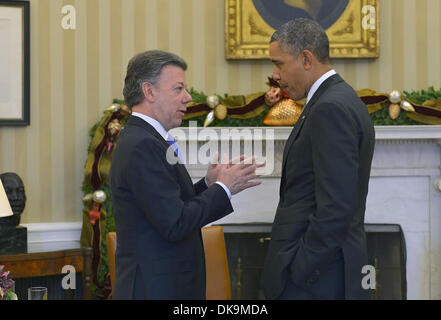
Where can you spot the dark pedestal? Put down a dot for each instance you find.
(14, 240)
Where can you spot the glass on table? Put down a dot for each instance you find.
(37, 293)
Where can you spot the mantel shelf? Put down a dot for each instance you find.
(429, 132)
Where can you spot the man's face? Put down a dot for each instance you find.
(14, 189)
(289, 72)
(171, 97)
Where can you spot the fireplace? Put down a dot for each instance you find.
(247, 245)
(404, 190)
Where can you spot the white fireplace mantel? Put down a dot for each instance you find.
(404, 189)
(282, 133)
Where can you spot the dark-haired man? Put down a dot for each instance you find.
(318, 245)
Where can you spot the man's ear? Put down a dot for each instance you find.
(149, 91)
(307, 59)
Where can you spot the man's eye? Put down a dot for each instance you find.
(178, 89)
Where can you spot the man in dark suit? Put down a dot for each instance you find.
(158, 210)
(318, 243)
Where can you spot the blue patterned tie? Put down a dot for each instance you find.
(174, 144)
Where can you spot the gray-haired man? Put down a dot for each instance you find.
(158, 210)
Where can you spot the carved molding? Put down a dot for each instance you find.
(192, 139)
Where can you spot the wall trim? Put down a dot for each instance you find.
(53, 232)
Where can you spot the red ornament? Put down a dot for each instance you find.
(95, 214)
(273, 96)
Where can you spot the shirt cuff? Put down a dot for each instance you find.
(225, 188)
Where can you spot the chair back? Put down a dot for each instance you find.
(111, 249)
(217, 273)
(218, 286)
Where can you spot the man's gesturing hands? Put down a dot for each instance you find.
(237, 174)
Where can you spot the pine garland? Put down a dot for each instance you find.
(379, 118)
(420, 96)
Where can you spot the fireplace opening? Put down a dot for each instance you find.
(247, 245)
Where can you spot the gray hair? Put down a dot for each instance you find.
(147, 67)
(303, 34)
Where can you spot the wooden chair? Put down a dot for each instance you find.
(217, 273)
(111, 249)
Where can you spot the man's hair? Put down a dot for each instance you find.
(303, 34)
(147, 67)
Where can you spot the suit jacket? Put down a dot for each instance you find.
(158, 216)
(324, 185)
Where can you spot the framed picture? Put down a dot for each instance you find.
(14, 63)
(351, 25)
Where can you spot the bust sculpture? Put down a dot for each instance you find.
(15, 191)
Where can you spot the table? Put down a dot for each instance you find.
(49, 259)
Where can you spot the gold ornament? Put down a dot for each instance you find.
(406, 106)
(209, 119)
(212, 101)
(114, 107)
(285, 113)
(114, 127)
(125, 110)
(394, 111)
(88, 197)
(99, 196)
(220, 111)
(395, 97)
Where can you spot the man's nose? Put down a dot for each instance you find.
(187, 98)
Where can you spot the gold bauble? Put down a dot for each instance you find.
(395, 97)
(114, 107)
(114, 126)
(406, 106)
(394, 111)
(125, 110)
(284, 113)
(99, 196)
(212, 101)
(220, 111)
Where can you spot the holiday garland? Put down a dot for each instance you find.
(420, 107)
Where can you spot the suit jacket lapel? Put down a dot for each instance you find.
(294, 133)
(144, 124)
(297, 127)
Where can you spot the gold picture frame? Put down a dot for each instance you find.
(353, 32)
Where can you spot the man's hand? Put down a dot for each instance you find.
(239, 174)
(214, 168)
(213, 171)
